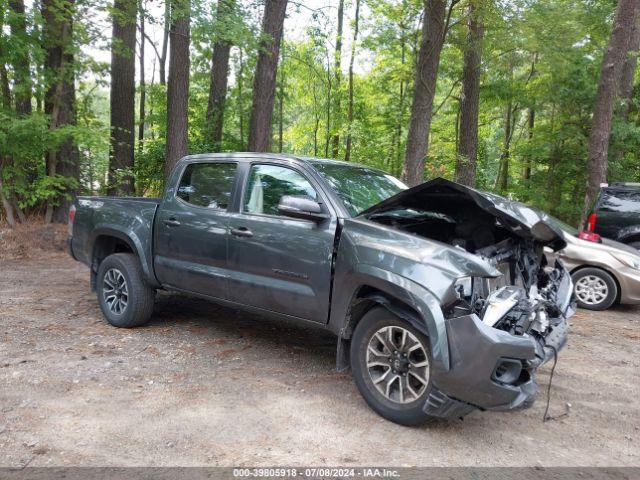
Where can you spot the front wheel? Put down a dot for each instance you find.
(391, 364)
(125, 299)
(595, 289)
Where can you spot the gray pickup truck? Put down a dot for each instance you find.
(440, 295)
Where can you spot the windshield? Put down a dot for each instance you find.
(359, 188)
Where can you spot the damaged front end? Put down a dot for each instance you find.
(530, 299)
(502, 325)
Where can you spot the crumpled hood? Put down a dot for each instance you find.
(515, 216)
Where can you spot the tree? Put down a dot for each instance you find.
(502, 179)
(21, 69)
(610, 73)
(178, 85)
(347, 154)
(122, 98)
(531, 122)
(162, 59)
(433, 33)
(337, 79)
(264, 83)
(219, 74)
(468, 134)
(625, 89)
(143, 86)
(60, 102)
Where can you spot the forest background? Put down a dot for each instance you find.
(536, 99)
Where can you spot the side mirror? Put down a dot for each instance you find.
(301, 206)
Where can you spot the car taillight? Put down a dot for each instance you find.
(591, 222)
(72, 216)
(589, 237)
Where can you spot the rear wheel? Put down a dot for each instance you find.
(595, 289)
(125, 299)
(391, 364)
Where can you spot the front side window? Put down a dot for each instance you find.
(207, 184)
(269, 183)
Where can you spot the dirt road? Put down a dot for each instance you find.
(203, 385)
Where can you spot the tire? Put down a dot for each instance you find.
(125, 299)
(405, 409)
(635, 245)
(595, 289)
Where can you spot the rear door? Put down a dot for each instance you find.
(278, 263)
(191, 230)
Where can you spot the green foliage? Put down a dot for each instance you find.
(540, 55)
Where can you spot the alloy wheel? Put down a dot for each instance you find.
(115, 291)
(398, 364)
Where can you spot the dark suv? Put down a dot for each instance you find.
(616, 214)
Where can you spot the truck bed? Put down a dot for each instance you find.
(129, 218)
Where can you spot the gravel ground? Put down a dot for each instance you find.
(204, 385)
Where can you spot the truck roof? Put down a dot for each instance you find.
(249, 156)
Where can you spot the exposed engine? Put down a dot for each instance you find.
(529, 298)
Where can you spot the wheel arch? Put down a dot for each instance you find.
(106, 241)
(367, 296)
(613, 275)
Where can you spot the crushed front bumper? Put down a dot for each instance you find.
(490, 369)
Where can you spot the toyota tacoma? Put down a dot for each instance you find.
(440, 295)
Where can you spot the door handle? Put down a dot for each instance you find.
(171, 222)
(241, 232)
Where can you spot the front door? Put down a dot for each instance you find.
(278, 263)
(191, 230)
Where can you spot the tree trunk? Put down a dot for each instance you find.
(264, 83)
(6, 90)
(610, 74)
(178, 86)
(280, 115)
(502, 179)
(143, 86)
(337, 75)
(219, 74)
(347, 153)
(433, 33)
(625, 88)
(4, 76)
(531, 120)
(165, 42)
(466, 158)
(123, 97)
(60, 97)
(6, 103)
(6, 204)
(396, 160)
(241, 98)
(22, 73)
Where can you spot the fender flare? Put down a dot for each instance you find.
(402, 297)
(132, 240)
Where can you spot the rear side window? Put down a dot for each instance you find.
(207, 184)
(619, 201)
